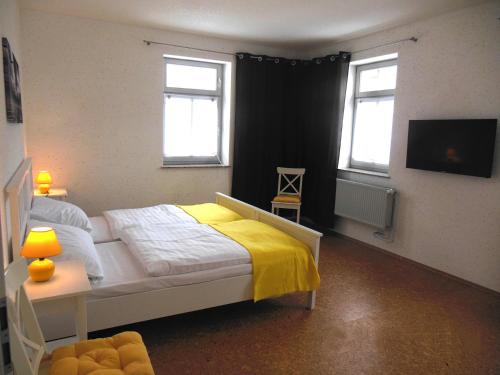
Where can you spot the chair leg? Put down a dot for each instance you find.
(298, 215)
(278, 211)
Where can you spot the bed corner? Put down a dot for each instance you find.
(308, 236)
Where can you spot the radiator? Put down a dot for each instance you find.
(368, 204)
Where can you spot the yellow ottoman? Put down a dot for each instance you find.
(121, 354)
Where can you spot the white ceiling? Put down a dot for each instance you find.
(285, 22)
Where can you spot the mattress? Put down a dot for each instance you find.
(100, 230)
(123, 274)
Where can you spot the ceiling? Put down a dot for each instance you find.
(278, 22)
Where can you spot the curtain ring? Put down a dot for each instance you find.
(259, 59)
(240, 56)
(276, 60)
(293, 63)
(332, 58)
(318, 61)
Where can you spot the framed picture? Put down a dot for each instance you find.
(12, 85)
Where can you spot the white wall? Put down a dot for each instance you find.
(12, 148)
(94, 101)
(448, 222)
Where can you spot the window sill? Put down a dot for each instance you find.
(362, 171)
(196, 166)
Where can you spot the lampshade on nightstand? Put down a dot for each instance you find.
(41, 243)
(44, 179)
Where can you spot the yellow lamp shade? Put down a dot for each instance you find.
(41, 243)
(44, 177)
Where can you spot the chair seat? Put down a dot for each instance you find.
(286, 199)
(121, 354)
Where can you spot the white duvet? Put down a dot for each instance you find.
(161, 214)
(183, 247)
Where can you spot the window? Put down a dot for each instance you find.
(193, 97)
(374, 86)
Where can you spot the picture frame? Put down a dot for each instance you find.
(12, 83)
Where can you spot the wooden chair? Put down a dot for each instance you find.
(289, 190)
(29, 353)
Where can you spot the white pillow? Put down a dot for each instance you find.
(54, 211)
(76, 245)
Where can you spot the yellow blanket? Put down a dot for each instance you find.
(281, 264)
(211, 213)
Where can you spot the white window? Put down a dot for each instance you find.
(192, 131)
(373, 106)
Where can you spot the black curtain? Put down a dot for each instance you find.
(267, 134)
(289, 113)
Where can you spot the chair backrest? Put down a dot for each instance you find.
(290, 181)
(27, 343)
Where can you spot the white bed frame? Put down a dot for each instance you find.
(131, 308)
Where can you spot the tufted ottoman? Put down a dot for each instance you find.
(121, 354)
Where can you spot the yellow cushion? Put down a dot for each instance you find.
(121, 354)
(287, 199)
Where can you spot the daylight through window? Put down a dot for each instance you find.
(375, 84)
(192, 112)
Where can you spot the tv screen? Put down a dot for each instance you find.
(453, 146)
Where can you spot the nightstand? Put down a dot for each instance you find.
(54, 193)
(67, 289)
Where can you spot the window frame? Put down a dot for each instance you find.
(217, 95)
(367, 96)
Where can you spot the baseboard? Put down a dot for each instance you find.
(418, 264)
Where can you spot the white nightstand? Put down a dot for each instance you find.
(68, 288)
(55, 193)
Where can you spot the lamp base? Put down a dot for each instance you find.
(44, 188)
(41, 269)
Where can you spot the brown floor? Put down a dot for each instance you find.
(375, 315)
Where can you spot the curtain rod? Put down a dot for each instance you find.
(412, 39)
(149, 42)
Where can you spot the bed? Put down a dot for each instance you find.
(121, 297)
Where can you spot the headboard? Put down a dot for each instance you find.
(19, 195)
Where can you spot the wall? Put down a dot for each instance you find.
(94, 101)
(12, 145)
(448, 222)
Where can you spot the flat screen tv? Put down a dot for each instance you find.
(452, 146)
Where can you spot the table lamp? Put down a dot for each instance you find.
(41, 243)
(44, 179)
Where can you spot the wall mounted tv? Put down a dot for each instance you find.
(452, 146)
